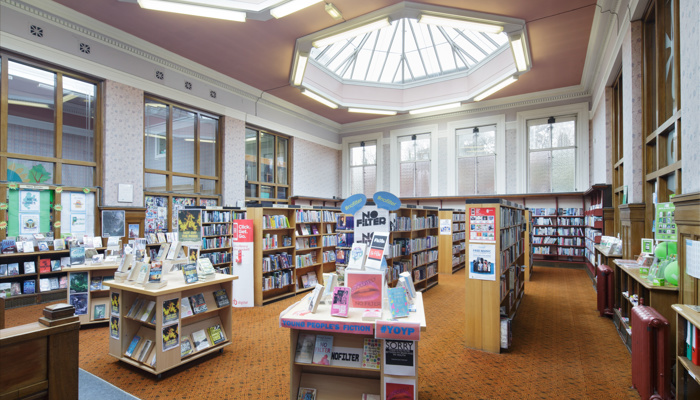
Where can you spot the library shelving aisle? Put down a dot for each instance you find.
(557, 234)
(451, 248)
(334, 382)
(308, 248)
(149, 324)
(599, 219)
(495, 252)
(96, 297)
(414, 245)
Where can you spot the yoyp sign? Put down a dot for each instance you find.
(397, 330)
(368, 220)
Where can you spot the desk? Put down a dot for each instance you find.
(333, 382)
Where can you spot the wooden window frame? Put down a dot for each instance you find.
(276, 186)
(617, 150)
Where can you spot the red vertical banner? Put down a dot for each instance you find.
(242, 264)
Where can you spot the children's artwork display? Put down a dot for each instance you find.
(78, 215)
(156, 214)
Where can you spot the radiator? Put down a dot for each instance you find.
(651, 372)
(606, 290)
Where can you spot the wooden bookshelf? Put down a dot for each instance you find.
(451, 248)
(95, 297)
(333, 382)
(494, 295)
(415, 245)
(599, 222)
(176, 288)
(527, 253)
(687, 373)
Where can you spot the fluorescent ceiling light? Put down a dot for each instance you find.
(372, 26)
(155, 136)
(300, 68)
(201, 140)
(191, 9)
(435, 108)
(333, 11)
(28, 103)
(495, 88)
(69, 97)
(319, 98)
(460, 24)
(369, 111)
(519, 53)
(291, 7)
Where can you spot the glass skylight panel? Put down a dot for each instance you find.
(406, 52)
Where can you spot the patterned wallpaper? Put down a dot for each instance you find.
(632, 111)
(387, 167)
(123, 142)
(511, 161)
(233, 163)
(315, 169)
(443, 166)
(601, 140)
(690, 95)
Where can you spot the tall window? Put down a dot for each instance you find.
(552, 154)
(414, 165)
(617, 150)
(181, 160)
(476, 160)
(363, 168)
(266, 166)
(50, 126)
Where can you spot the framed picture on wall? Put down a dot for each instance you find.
(113, 223)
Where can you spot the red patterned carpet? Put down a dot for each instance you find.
(561, 349)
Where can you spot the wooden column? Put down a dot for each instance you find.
(632, 229)
(687, 217)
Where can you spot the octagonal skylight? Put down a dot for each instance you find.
(407, 51)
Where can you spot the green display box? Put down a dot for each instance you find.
(658, 282)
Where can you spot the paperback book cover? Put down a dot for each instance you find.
(198, 303)
(54, 283)
(59, 244)
(5, 289)
(77, 255)
(399, 388)
(8, 246)
(186, 346)
(398, 302)
(199, 340)
(63, 282)
(99, 311)
(79, 282)
(305, 348)
(322, 350)
(13, 269)
(216, 334)
(145, 350)
(16, 289)
(44, 265)
(114, 327)
(171, 311)
(115, 303)
(55, 265)
(205, 266)
(29, 287)
(346, 357)
(357, 256)
(371, 354)
(376, 250)
(306, 394)
(341, 301)
(190, 272)
(43, 245)
(147, 309)
(3, 269)
(80, 302)
(44, 285)
(29, 267)
(399, 357)
(171, 337)
(132, 346)
(28, 246)
(155, 272)
(95, 283)
(189, 225)
(185, 308)
(221, 298)
(366, 288)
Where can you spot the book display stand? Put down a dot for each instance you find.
(349, 335)
(95, 308)
(451, 257)
(157, 323)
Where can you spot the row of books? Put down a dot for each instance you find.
(541, 250)
(54, 283)
(306, 243)
(318, 349)
(571, 211)
(458, 248)
(510, 235)
(544, 240)
(10, 289)
(543, 211)
(571, 241)
(570, 221)
(459, 227)
(309, 280)
(511, 216)
(458, 236)
(568, 251)
(9, 246)
(308, 216)
(96, 282)
(276, 280)
(201, 340)
(399, 224)
(306, 229)
(216, 243)
(423, 273)
(270, 241)
(345, 239)
(459, 216)
(511, 254)
(570, 231)
(217, 257)
(211, 230)
(329, 256)
(305, 260)
(344, 222)
(458, 259)
(219, 216)
(275, 221)
(144, 309)
(543, 221)
(424, 257)
(329, 240)
(276, 262)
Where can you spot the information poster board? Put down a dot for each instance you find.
(692, 258)
(666, 229)
(368, 220)
(482, 224)
(446, 227)
(242, 265)
(482, 262)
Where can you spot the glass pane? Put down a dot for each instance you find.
(539, 172)
(251, 190)
(423, 178)
(356, 180)
(251, 155)
(156, 116)
(466, 176)
(671, 183)
(370, 180)
(485, 169)
(267, 157)
(408, 151)
(282, 145)
(423, 147)
(356, 156)
(208, 202)
(77, 175)
(183, 184)
(154, 183)
(564, 134)
(485, 142)
(465, 143)
(267, 192)
(183, 140)
(281, 192)
(668, 60)
(207, 186)
(79, 104)
(406, 180)
(179, 203)
(31, 109)
(28, 171)
(563, 170)
(671, 144)
(208, 132)
(371, 154)
(540, 136)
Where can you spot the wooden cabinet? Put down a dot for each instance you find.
(334, 382)
(176, 288)
(451, 257)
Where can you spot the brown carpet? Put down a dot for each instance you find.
(561, 350)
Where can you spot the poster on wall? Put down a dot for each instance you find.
(482, 224)
(399, 357)
(189, 225)
(482, 262)
(692, 258)
(179, 203)
(113, 222)
(368, 220)
(77, 223)
(666, 229)
(446, 227)
(156, 214)
(243, 264)
(28, 201)
(77, 202)
(28, 223)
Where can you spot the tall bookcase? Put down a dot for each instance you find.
(217, 235)
(451, 257)
(414, 245)
(289, 244)
(558, 234)
(493, 300)
(599, 220)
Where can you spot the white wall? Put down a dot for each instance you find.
(690, 95)
(315, 170)
(601, 142)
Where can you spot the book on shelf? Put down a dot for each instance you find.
(3, 269)
(305, 281)
(372, 314)
(330, 281)
(341, 301)
(28, 246)
(65, 262)
(306, 394)
(146, 310)
(29, 287)
(199, 340)
(59, 244)
(5, 289)
(346, 357)
(97, 258)
(205, 266)
(376, 250)
(8, 246)
(315, 298)
(185, 307)
(135, 307)
(132, 346)
(55, 265)
(407, 281)
(171, 337)
(162, 252)
(16, 289)
(313, 279)
(44, 285)
(221, 298)
(357, 256)
(173, 250)
(145, 350)
(77, 255)
(190, 272)
(398, 302)
(44, 265)
(216, 334)
(95, 283)
(371, 354)
(63, 282)
(198, 303)
(54, 283)
(29, 267)
(155, 273)
(322, 350)
(152, 359)
(142, 272)
(99, 311)
(186, 347)
(43, 245)
(305, 348)
(12, 269)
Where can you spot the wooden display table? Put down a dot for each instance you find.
(334, 382)
(98, 298)
(128, 327)
(628, 282)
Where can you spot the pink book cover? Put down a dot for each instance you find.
(341, 301)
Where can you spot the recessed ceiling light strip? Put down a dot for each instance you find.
(318, 98)
(519, 53)
(191, 9)
(435, 108)
(493, 89)
(292, 7)
(370, 111)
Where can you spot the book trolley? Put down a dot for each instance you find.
(497, 232)
(176, 288)
(336, 382)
